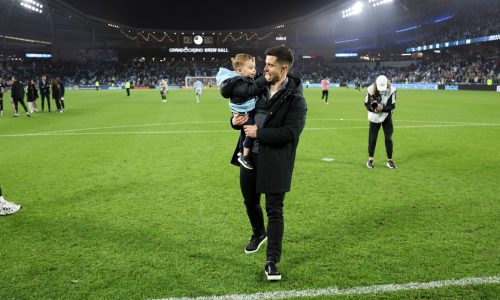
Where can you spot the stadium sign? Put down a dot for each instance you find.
(346, 54)
(198, 50)
(498, 88)
(452, 87)
(38, 55)
(483, 39)
(416, 86)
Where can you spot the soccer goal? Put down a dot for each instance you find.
(207, 81)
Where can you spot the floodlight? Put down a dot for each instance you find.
(353, 10)
(32, 5)
(376, 3)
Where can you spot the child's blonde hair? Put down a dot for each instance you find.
(240, 59)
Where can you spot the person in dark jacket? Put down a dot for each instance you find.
(44, 88)
(17, 96)
(56, 94)
(31, 95)
(279, 120)
(62, 90)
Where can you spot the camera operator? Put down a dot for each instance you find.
(380, 101)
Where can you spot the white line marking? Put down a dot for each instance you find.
(406, 126)
(130, 126)
(408, 121)
(206, 122)
(116, 133)
(73, 132)
(333, 291)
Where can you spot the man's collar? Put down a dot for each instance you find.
(282, 85)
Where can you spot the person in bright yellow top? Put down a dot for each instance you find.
(127, 87)
(97, 85)
(489, 81)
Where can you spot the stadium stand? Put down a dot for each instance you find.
(86, 48)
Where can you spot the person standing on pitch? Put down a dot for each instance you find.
(6, 207)
(17, 96)
(56, 94)
(127, 87)
(198, 88)
(324, 88)
(2, 90)
(357, 83)
(163, 90)
(44, 88)
(31, 95)
(62, 90)
(380, 101)
(97, 85)
(279, 120)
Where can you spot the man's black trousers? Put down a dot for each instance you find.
(274, 210)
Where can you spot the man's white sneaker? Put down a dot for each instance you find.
(8, 208)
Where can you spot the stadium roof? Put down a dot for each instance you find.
(315, 26)
(200, 14)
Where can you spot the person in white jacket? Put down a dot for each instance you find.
(163, 90)
(380, 101)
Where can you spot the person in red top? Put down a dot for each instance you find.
(324, 87)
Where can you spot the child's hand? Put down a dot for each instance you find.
(239, 119)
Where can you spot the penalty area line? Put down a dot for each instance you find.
(75, 133)
(361, 290)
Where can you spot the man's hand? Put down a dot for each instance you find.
(239, 119)
(250, 131)
(379, 108)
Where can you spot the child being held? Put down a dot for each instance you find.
(243, 91)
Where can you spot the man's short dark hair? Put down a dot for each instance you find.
(283, 54)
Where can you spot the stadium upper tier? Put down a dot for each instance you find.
(62, 29)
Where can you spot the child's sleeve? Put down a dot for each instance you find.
(247, 87)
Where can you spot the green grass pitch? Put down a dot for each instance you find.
(132, 198)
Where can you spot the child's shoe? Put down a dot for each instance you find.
(245, 162)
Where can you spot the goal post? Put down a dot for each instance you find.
(208, 81)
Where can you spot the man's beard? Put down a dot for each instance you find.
(274, 79)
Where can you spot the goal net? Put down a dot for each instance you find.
(207, 81)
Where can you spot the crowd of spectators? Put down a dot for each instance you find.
(140, 71)
(460, 65)
(471, 20)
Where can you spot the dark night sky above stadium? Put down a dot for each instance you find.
(206, 15)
